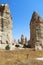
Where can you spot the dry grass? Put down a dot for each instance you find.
(20, 57)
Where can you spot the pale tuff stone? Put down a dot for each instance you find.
(5, 25)
(36, 32)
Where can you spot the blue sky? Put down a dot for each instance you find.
(21, 11)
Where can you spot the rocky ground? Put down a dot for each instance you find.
(21, 57)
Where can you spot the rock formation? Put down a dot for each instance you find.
(5, 25)
(36, 31)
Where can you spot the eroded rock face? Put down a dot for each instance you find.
(5, 25)
(36, 31)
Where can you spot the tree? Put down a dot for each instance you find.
(7, 47)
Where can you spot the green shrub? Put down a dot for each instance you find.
(7, 47)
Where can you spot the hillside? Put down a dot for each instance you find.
(20, 57)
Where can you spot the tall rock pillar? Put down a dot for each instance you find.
(5, 25)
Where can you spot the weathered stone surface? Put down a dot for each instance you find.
(5, 25)
(36, 31)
